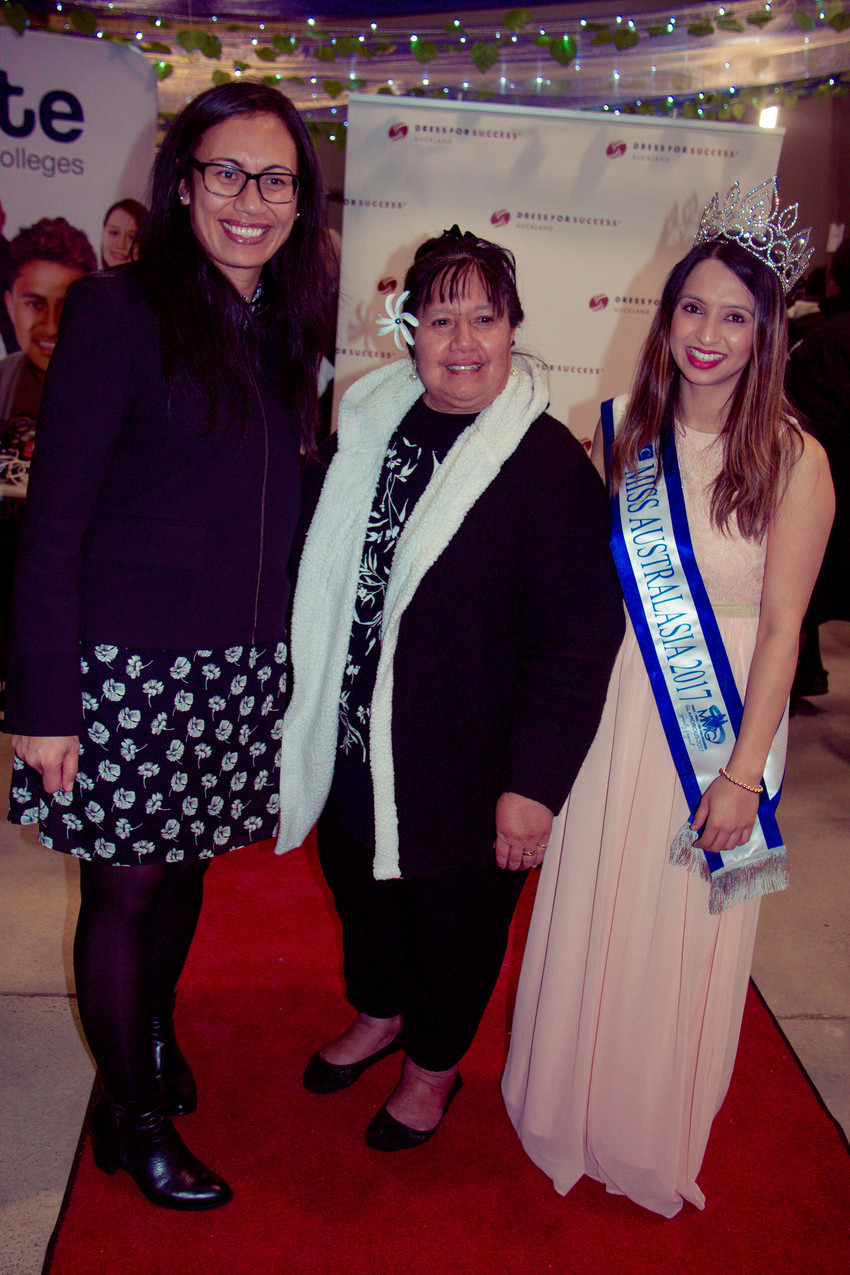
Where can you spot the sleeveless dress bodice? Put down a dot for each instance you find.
(731, 567)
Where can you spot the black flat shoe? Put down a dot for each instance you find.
(320, 1076)
(385, 1133)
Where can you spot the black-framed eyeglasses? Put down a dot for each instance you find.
(276, 186)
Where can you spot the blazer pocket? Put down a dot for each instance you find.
(146, 542)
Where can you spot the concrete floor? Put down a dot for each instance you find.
(802, 967)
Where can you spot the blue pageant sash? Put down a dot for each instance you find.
(689, 670)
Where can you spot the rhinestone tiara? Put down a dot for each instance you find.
(755, 222)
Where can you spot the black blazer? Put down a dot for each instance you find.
(505, 653)
(143, 528)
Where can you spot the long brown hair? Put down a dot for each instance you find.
(761, 441)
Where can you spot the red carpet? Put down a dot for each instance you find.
(263, 990)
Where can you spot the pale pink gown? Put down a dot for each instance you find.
(631, 995)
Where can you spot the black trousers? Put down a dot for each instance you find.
(428, 948)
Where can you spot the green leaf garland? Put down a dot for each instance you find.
(484, 55)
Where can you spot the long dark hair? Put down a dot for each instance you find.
(208, 333)
(760, 439)
(444, 264)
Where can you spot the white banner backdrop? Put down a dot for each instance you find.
(595, 208)
(77, 128)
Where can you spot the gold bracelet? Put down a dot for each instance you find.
(739, 782)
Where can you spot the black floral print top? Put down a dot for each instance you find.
(416, 449)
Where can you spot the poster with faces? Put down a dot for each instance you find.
(77, 134)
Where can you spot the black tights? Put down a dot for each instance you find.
(133, 936)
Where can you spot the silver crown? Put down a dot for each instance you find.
(756, 223)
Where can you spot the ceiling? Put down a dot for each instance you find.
(568, 55)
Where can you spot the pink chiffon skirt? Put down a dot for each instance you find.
(631, 995)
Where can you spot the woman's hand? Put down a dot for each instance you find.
(55, 757)
(522, 831)
(726, 815)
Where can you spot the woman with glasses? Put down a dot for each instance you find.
(147, 673)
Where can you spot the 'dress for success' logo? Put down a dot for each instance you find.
(396, 131)
(387, 284)
(616, 150)
(500, 218)
(599, 302)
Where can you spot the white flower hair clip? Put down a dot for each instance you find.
(398, 320)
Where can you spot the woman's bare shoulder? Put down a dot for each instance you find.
(811, 467)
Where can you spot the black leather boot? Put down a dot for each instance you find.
(140, 1138)
(172, 1070)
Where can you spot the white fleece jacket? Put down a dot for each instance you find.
(323, 606)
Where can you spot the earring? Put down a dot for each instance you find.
(414, 375)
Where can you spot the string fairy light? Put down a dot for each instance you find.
(500, 53)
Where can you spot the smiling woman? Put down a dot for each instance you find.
(242, 228)
(120, 232)
(711, 336)
(450, 653)
(147, 674)
(632, 990)
(463, 350)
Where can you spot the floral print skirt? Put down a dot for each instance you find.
(178, 759)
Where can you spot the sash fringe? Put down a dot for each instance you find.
(683, 854)
(739, 885)
(735, 885)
